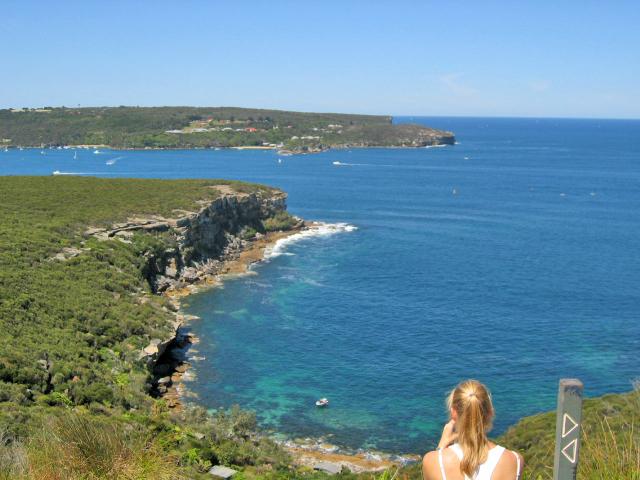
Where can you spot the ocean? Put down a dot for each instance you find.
(510, 257)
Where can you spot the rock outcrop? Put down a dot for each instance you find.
(195, 249)
(200, 241)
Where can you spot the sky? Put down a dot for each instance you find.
(512, 58)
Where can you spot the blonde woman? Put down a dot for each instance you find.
(464, 451)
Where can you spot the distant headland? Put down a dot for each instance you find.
(208, 127)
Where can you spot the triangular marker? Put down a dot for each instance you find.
(573, 447)
(568, 425)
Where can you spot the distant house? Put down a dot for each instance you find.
(250, 129)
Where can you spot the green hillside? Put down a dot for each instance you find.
(195, 127)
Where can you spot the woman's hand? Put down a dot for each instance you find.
(449, 435)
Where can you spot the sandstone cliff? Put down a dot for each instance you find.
(191, 249)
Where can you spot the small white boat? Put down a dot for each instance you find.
(279, 160)
(57, 172)
(337, 163)
(97, 152)
(323, 402)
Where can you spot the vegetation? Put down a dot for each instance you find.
(190, 127)
(280, 222)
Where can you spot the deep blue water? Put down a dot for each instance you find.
(511, 257)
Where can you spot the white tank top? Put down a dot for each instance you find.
(486, 469)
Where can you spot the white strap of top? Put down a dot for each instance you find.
(444, 475)
(517, 465)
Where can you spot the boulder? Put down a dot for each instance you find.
(220, 471)
(190, 275)
(152, 348)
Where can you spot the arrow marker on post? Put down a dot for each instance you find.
(568, 425)
(570, 451)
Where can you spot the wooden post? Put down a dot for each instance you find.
(569, 415)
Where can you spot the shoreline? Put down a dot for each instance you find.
(279, 151)
(177, 366)
(310, 452)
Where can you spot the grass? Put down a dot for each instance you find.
(79, 446)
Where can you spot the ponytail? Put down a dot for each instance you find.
(472, 402)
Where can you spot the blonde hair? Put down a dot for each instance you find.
(471, 400)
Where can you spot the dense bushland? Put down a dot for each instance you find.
(139, 127)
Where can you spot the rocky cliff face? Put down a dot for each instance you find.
(194, 248)
(198, 242)
(219, 231)
(208, 233)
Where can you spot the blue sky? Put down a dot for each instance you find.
(538, 58)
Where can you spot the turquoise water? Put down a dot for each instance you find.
(510, 257)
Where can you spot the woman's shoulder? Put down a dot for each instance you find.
(509, 465)
(431, 462)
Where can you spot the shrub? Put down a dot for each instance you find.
(249, 233)
(281, 221)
